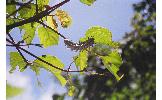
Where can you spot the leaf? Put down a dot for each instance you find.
(11, 21)
(101, 35)
(101, 49)
(29, 33)
(27, 12)
(47, 37)
(52, 22)
(81, 59)
(10, 9)
(71, 90)
(54, 61)
(12, 91)
(87, 2)
(64, 18)
(35, 68)
(112, 62)
(16, 60)
(42, 3)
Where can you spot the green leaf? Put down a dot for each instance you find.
(71, 90)
(12, 91)
(29, 33)
(27, 12)
(11, 21)
(87, 2)
(64, 18)
(35, 68)
(42, 3)
(101, 49)
(10, 9)
(47, 37)
(101, 35)
(81, 59)
(112, 62)
(16, 60)
(54, 61)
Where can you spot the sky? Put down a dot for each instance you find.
(114, 15)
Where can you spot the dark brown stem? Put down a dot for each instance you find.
(17, 45)
(39, 45)
(36, 17)
(52, 29)
(42, 59)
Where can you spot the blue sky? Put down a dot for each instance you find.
(114, 15)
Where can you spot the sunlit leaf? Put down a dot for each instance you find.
(47, 37)
(54, 61)
(71, 90)
(64, 18)
(16, 60)
(112, 62)
(35, 68)
(88, 2)
(29, 33)
(42, 3)
(12, 91)
(81, 59)
(52, 22)
(101, 35)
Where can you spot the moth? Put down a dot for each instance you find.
(79, 46)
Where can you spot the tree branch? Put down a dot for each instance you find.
(39, 45)
(36, 17)
(44, 60)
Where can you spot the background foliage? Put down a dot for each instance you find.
(139, 63)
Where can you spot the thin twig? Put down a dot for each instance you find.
(44, 60)
(52, 29)
(9, 35)
(39, 45)
(36, 6)
(17, 45)
(36, 17)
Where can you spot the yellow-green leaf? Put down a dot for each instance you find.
(64, 18)
(29, 33)
(52, 22)
(47, 37)
(42, 3)
(71, 90)
(112, 62)
(81, 59)
(16, 60)
(88, 2)
(54, 61)
(101, 35)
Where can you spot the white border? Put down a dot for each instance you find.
(159, 50)
(2, 50)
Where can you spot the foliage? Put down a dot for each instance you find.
(33, 17)
(88, 2)
(139, 63)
